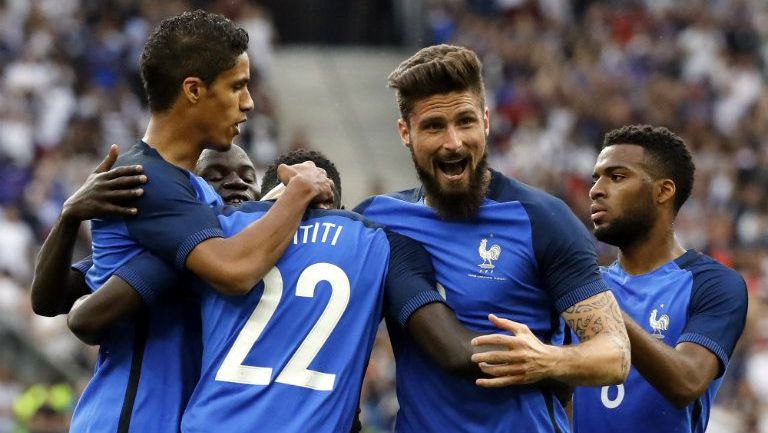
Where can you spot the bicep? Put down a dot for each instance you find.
(705, 365)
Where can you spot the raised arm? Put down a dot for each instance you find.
(234, 265)
(602, 358)
(55, 286)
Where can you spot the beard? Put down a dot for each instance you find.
(631, 228)
(456, 205)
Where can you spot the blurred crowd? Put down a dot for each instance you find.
(559, 74)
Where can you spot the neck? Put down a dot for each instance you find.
(647, 255)
(169, 136)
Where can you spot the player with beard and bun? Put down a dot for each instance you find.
(502, 251)
(684, 311)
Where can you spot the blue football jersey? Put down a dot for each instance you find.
(290, 355)
(147, 366)
(524, 257)
(691, 299)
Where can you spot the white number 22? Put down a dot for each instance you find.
(296, 371)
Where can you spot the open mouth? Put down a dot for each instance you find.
(453, 169)
(236, 199)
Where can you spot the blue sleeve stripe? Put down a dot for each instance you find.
(83, 265)
(144, 289)
(572, 297)
(709, 344)
(188, 245)
(418, 301)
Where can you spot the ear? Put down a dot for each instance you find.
(486, 121)
(192, 89)
(665, 192)
(405, 132)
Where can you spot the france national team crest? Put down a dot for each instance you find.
(488, 254)
(658, 324)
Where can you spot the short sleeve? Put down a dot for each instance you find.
(565, 254)
(410, 283)
(171, 220)
(717, 312)
(149, 276)
(83, 265)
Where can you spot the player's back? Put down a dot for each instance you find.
(290, 355)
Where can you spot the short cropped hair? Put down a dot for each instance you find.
(270, 179)
(194, 44)
(668, 156)
(435, 70)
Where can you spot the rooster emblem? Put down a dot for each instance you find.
(488, 254)
(658, 324)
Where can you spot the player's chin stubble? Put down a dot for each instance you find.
(455, 205)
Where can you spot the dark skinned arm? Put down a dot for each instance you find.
(55, 287)
(436, 330)
(681, 374)
(92, 315)
(234, 265)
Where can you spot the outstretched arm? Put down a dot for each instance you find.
(55, 286)
(602, 358)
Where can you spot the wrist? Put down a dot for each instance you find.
(69, 217)
(556, 357)
(299, 189)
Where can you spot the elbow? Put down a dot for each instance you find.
(42, 309)
(234, 285)
(681, 395)
(237, 281)
(86, 331)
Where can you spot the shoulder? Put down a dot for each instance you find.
(412, 195)
(539, 204)
(151, 161)
(710, 275)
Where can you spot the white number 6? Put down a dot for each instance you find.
(612, 403)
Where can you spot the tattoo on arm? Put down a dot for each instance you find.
(598, 315)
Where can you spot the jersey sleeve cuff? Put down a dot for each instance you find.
(709, 344)
(418, 301)
(577, 295)
(135, 280)
(188, 245)
(83, 265)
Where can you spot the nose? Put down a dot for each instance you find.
(452, 140)
(234, 181)
(597, 190)
(246, 102)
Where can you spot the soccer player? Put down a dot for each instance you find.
(500, 247)
(290, 355)
(683, 310)
(195, 72)
(104, 194)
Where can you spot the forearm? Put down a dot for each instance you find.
(437, 332)
(234, 265)
(50, 293)
(666, 369)
(93, 315)
(602, 360)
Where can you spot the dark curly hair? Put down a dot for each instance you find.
(435, 70)
(194, 44)
(270, 179)
(667, 154)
